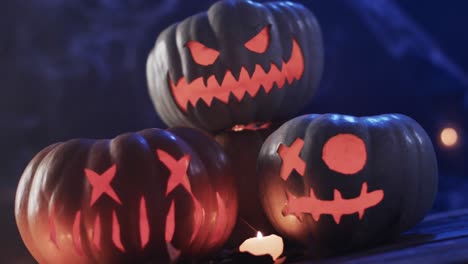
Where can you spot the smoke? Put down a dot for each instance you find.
(401, 36)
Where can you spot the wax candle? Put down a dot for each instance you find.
(269, 245)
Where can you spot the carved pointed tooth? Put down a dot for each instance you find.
(244, 76)
(312, 194)
(337, 218)
(337, 195)
(239, 93)
(361, 214)
(299, 217)
(212, 83)
(315, 216)
(364, 189)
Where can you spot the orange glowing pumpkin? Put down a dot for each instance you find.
(156, 195)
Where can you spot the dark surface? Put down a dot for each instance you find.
(76, 68)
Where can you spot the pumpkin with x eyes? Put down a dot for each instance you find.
(240, 62)
(155, 196)
(336, 182)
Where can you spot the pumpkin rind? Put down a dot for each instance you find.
(399, 179)
(226, 28)
(58, 220)
(242, 147)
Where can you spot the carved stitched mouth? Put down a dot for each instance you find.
(185, 93)
(336, 207)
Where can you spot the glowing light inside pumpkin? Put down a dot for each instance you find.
(206, 89)
(170, 223)
(260, 42)
(201, 54)
(221, 220)
(97, 232)
(345, 153)
(449, 137)
(52, 229)
(291, 159)
(116, 232)
(178, 170)
(101, 184)
(336, 207)
(76, 233)
(251, 127)
(144, 225)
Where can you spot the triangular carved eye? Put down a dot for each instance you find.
(260, 42)
(201, 54)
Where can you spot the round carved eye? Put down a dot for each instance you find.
(201, 54)
(259, 43)
(345, 153)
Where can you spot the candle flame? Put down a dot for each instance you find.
(259, 235)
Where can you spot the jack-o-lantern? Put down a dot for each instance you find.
(242, 145)
(152, 196)
(238, 63)
(336, 182)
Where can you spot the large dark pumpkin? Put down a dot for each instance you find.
(239, 62)
(242, 146)
(336, 182)
(150, 196)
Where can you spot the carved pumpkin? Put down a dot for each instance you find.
(155, 195)
(242, 146)
(238, 63)
(336, 182)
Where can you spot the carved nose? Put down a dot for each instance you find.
(345, 153)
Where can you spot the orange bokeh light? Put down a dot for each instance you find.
(449, 137)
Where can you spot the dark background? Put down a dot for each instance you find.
(76, 68)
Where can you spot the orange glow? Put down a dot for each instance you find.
(251, 127)
(259, 43)
(185, 93)
(76, 233)
(336, 207)
(144, 225)
(170, 223)
(291, 159)
(201, 54)
(345, 153)
(116, 232)
(101, 184)
(221, 220)
(178, 170)
(52, 229)
(197, 217)
(97, 233)
(449, 137)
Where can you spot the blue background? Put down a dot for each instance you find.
(76, 68)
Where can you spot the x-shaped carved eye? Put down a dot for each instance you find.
(101, 184)
(291, 159)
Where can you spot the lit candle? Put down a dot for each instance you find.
(270, 245)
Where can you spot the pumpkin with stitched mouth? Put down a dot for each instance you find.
(238, 63)
(336, 182)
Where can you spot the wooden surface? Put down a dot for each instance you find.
(440, 238)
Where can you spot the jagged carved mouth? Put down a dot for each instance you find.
(207, 89)
(336, 207)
